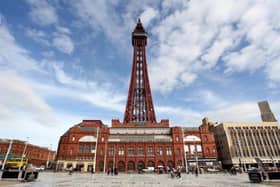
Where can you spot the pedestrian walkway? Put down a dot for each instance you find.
(48, 179)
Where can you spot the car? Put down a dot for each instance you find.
(41, 168)
(149, 169)
(212, 170)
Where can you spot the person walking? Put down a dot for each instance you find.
(115, 171)
(196, 172)
(70, 170)
(178, 172)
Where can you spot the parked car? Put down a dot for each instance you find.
(149, 170)
(41, 168)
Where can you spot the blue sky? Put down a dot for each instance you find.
(65, 61)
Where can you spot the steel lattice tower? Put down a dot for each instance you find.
(139, 106)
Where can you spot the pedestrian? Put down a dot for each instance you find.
(172, 173)
(109, 171)
(196, 172)
(70, 170)
(115, 171)
(178, 172)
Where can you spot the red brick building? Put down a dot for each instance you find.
(36, 155)
(139, 141)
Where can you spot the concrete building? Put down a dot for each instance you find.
(36, 155)
(266, 113)
(239, 143)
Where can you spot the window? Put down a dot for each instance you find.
(73, 138)
(71, 151)
(130, 151)
(178, 151)
(87, 148)
(205, 138)
(101, 152)
(111, 151)
(186, 148)
(192, 149)
(168, 151)
(93, 147)
(81, 148)
(121, 151)
(140, 151)
(198, 148)
(159, 151)
(150, 150)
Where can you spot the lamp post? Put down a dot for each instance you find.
(114, 163)
(22, 156)
(105, 155)
(7, 154)
(196, 159)
(195, 154)
(47, 163)
(95, 151)
(24, 150)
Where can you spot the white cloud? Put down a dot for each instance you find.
(18, 99)
(180, 116)
(193, 36)
(247, 111)
(101, 16)
(229, 112)
(99, 94)
(273, 70)
(63, 30)
(63, 43)
(13, 55)
(42, 12)
(48, 54)
(148, 15)
(37, 133)
(37, 35)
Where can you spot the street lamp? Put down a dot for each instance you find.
(196, 159)
(24, 150)
(47, 163)
(23, 155)
(195, 153)
(7, 154)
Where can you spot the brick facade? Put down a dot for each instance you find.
(36, 155)
(91, 144)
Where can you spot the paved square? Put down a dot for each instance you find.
(49, 179)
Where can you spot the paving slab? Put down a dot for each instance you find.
(50, 179)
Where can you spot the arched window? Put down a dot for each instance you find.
(151, 163)
(130, 166)
(121, 166)
(160, 163)
(170, 164)
(140, 165)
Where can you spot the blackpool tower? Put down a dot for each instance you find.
(139, 107)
